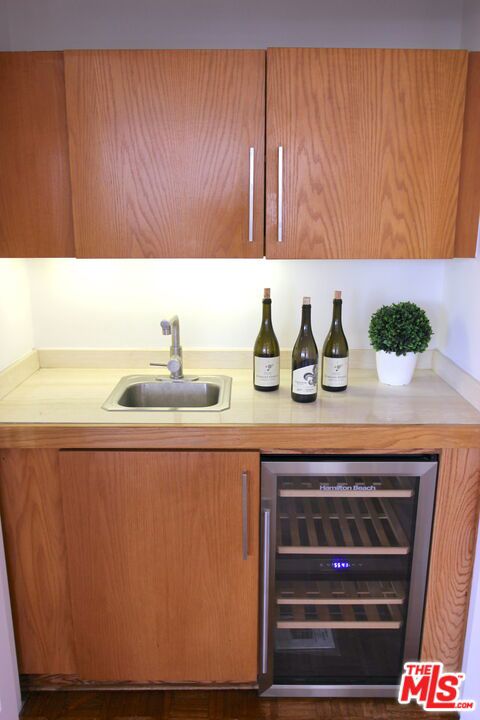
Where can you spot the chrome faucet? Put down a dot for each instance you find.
(175, 363)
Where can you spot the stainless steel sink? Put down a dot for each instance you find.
(191, 393)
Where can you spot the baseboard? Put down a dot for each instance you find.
(205, 358)
(34, 683)
(18, 372)
(466, 385)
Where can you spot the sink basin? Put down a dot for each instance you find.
(192, 393)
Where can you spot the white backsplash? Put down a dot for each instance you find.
(16, 328)
(119, 303)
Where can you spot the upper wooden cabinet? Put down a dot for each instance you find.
(371, 145)
(35, 202)
(468, 213)
(160, 153)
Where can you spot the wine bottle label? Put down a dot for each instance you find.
(304, 380)
(335, 372)
(267, 371)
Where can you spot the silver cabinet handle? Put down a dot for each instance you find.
(280, 194)
(266, 588)
(250, 194)
(245, 515)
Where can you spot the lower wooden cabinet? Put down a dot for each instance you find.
(129, 565)
(142, 565)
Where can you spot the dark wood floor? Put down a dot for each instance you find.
(208, 705)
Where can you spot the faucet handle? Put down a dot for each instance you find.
(173, 365)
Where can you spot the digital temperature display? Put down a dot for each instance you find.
(339, 564)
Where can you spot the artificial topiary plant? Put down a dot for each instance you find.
(400, 328)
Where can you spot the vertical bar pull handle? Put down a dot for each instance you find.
(266, 588)
(280, 194)
(245, 515)
(250, 194)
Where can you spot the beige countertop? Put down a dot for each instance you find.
(75, 396)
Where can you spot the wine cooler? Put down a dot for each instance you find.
(345, 552)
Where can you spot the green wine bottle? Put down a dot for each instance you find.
(305, 359)
(335, 352)
(266, 351)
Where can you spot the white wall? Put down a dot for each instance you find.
(462, 344)
(119, 303)
(10, 701)
(461, 339)
(59, 24)
(470, 31)
(16, 330)
(4, 28)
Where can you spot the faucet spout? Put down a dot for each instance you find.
(174, 327)
(175, 364)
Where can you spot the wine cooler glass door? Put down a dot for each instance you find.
(345, 554)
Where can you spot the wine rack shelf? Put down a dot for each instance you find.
(346, 592)
(340, 617)
(326, 526)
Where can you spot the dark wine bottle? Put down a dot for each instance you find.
(305, 359)
(335, 352)
(266, 351)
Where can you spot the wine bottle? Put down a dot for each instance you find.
(335, 352)
(266, 351)
(305, 359)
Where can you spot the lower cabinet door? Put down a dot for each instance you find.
(162, 556)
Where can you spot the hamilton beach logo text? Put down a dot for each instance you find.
(357, 488)
(435, 690)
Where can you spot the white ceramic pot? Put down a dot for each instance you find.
(395, 369)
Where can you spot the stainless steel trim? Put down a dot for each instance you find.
(266, 588)
(245, 515)
(250, 194)
(280, 195)
(222, 381)
(331, 691)
(267, 632)
(427, 472)
(346, 467)
(420, 558)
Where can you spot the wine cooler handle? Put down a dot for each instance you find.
(266, 588)
(250, 194)
(245, 515)
(280, 194)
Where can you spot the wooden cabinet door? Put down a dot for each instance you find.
(34, 533)
(35, 198)
(160, 152)
(159, 586)
(371, 152)
(468, 212)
